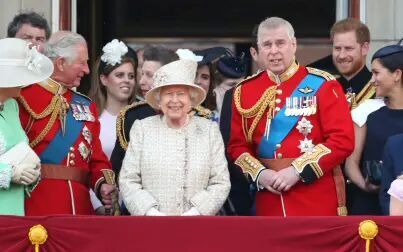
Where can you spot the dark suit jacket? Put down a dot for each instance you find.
(132, 114)
(392, 167)
(240, 200)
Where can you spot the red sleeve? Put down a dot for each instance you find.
(238, 143)
(337, 125)
(337, 131)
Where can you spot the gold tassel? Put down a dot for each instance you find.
(368, 230)
(38, 236)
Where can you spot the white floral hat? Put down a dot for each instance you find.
(179, 72)
(113, 52)
(21, 64)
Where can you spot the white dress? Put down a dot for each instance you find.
(108, 132)
(174, 170)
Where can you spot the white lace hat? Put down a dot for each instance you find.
(180, 72)
(21, 65)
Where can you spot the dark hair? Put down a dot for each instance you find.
(98, 91)
(391, 57)
(159, 54)
(254, 38)
(210, 101)
(351, 24)
(32, 18)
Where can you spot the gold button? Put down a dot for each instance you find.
(72, 155)
(279, 155)
(278, 146)
(279, 91)
(71, 149)
(277, 109)
(278, 101)
(72, 162)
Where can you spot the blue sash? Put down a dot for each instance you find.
(281, 125)
(58, 149)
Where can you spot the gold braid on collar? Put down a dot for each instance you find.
(267, 100)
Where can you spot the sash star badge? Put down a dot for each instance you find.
(306, 146)
(304, 126)
(306, 90)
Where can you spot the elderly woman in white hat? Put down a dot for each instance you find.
(20, 66)
(175, 163)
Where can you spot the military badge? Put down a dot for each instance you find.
(84, 151)
(306, 90)
(82, 112)
(90, 117)
(87, 135)
(305, 128)
(306, 145)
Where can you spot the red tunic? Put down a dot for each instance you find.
(54, 196)
(332, 127)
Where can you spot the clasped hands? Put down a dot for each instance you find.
(106, 192)
(26, 173)
(278, 181)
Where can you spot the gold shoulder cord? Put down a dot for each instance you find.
(366, 93)
(257, 110)
(120, 123)
(55, 108)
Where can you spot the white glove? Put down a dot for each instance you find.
(25, 173)
(154, 212)
(191, 212)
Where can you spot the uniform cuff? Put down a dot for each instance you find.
(250, 165)
(307, 165)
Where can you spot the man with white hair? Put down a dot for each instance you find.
(63, 129)
(290, 129)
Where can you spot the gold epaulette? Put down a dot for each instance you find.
(327, 76)
(251, 77)
(204, 112)
(80, 94)
(120, 123)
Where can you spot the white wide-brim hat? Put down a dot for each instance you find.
(181, 72)
(21, 65)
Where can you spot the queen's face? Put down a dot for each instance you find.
(175, 102)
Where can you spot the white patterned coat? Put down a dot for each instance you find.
(174, 169)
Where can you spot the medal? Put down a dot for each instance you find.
(84, 151)
(87, 135)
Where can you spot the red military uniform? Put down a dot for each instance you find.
(315, 151)
(63, 129)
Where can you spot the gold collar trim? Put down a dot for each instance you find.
(53, 86)
(291, 70)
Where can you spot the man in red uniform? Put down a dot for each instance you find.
(291, 128)
(63, 128)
